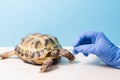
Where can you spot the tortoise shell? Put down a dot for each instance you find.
(37, 46)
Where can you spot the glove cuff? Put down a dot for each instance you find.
(112, 59)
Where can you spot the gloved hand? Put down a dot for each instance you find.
(98, 44)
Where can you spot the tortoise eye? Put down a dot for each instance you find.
(54, 53)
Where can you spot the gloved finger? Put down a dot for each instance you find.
(90, 48)
(75, 52)
(86, 36)
(86, 54)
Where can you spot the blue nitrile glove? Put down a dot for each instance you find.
(98, 44)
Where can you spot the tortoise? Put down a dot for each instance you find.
(40, 49)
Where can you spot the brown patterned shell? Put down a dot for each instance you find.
(35, 47)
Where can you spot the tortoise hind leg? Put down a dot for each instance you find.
(67, 54)
(6, 55)
(46, 64)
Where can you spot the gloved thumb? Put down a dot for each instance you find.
(89, 48)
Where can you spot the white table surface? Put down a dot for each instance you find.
(86, 68)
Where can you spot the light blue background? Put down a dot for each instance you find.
(65, 19)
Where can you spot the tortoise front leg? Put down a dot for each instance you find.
(46, 64)
(67, 54)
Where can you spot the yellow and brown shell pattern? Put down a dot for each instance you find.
(34, 48)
